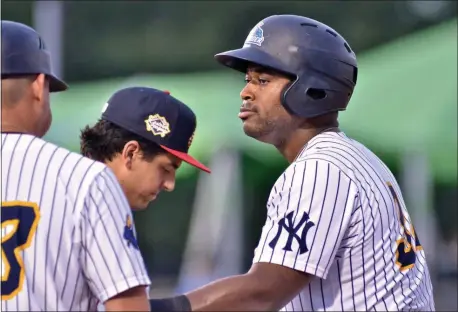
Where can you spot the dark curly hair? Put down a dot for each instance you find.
(105, 140)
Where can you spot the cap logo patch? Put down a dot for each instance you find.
(256, 35)
(158, 125)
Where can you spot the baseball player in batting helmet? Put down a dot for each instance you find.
(68, 236)
(337, 234)
(143, 135)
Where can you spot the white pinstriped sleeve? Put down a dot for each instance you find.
(307, 218)
(110, 258)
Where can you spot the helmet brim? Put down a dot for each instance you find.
(240, 59)
(56, 85)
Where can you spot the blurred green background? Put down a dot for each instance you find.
(404, 108)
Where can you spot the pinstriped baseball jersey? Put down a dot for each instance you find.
(337, 213)
(68, 239)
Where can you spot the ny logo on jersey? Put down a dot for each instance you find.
(287, 224)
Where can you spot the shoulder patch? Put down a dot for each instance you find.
(129, 233)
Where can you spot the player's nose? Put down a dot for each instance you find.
(169, 185)
(246, 94)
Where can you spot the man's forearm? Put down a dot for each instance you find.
(233, 293)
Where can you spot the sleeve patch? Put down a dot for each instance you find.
(129, 235)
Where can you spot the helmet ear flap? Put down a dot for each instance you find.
(310, 97)
(284, 96)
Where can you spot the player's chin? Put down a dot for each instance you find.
(141, 205)
(249, 127)
(253, 130)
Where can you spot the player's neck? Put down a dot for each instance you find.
(293, 145)
(11, 122)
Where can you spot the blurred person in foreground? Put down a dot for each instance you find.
(143, 135)
(64, 216)
(337, 235)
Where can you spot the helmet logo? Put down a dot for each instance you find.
(256, 35)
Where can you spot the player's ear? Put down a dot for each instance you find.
(130, 153)
(39, 85)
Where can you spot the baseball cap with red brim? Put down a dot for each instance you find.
(156, 116)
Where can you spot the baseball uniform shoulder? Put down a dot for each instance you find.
(73, 173)
(72, 163)
(48, 156)
(337, 150)
(52, 175)
(312, 159)
(79, 174)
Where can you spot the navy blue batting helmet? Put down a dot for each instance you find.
(320, 61)
(25, 53)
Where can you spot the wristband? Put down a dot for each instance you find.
(178, 303)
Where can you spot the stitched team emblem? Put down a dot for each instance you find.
(158, 125)
(295, 231)
(256, 35)
(129, 233)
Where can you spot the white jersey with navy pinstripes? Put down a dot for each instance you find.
(337, 213)
(68, 241)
